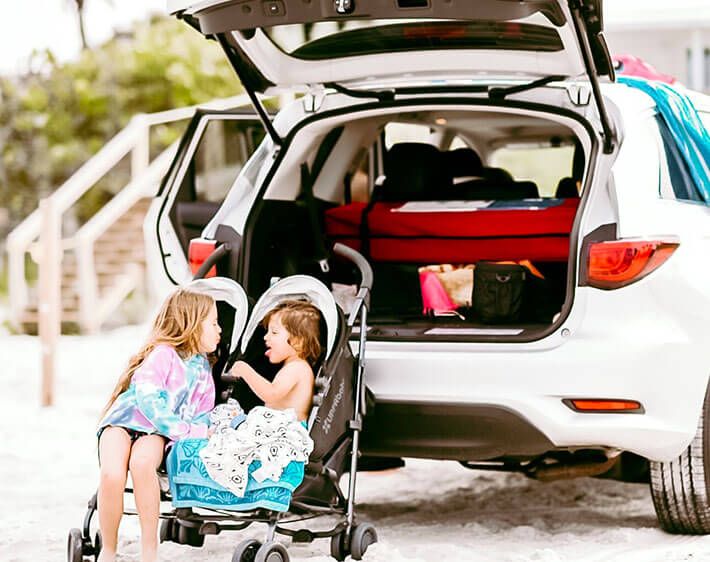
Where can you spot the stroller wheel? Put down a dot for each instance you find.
(98, 544)
(246, 551)
(337, 547)
(363, 535)
(75, 546)
(166, 530)
(190, 535)
(272, 552)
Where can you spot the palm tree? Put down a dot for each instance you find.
(80, 14)
(80, 5)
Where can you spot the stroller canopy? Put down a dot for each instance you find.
(231, 292)
(296, 287)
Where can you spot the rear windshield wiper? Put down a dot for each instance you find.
(495, 93)
(499, 93)
(379, 95)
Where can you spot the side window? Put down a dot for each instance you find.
(673, 166)
(224, 147)
(222, 151)
(544, 164)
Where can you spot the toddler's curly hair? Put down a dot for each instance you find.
(302, 322)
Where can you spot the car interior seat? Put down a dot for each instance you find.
(413, 172)
(567, 188)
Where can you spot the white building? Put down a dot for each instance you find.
(673, 36)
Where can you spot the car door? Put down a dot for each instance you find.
(210, 159)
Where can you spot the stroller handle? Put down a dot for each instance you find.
(359, 260)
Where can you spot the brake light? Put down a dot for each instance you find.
(198, 252)
(618, 263)
(604, 406)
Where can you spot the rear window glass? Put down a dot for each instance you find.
(544, 165)
(312, 43)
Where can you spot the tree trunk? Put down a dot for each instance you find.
(82, 30)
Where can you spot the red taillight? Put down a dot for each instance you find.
(199, 251)
(604, 406)
(617, 263)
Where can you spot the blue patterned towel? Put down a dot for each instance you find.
(191, 486)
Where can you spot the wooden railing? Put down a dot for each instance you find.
(145, 179)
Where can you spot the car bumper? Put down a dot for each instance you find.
(479, 401)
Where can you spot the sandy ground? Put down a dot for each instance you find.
(427, 511)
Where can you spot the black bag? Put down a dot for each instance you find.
(498, 292)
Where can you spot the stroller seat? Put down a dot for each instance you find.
(304, 490)
(190, 483)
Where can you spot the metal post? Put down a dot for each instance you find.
(350, 514)
(49, 294)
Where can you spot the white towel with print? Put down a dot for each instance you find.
(273, 437)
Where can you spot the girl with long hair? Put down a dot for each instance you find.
(165, 394)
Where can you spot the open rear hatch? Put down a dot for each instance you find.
(379, 45)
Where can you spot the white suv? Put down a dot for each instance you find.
(429, 132)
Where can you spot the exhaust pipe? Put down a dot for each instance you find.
(561, 471)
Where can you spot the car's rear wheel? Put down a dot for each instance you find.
(680, 487)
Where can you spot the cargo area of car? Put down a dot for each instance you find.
(425, 216)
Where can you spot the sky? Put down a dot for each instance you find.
(37, 24)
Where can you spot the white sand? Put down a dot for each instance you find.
(428, 511)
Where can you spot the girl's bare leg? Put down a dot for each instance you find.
(114, 451)
(146, 456)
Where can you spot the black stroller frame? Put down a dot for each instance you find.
(318, 495)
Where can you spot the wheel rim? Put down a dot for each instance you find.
(272, 552)
(363, 536)
(249, 554)
(246, 551)
(367, 539)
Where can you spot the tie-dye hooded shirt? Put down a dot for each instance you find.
(167, 395)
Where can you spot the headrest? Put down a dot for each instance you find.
(413, 172)
(497, 174)
(578, 161)
(567, 189)
(462, 162)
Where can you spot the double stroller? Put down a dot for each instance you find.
(306, 490)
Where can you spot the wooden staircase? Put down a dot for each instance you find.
(118, 252)
(105, 257)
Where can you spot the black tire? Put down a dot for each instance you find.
(98, 544)
(362, 537)
(679, 488)
(189, 535)
(75, 546)
(246, 551)
(166, 530)
(338, 549)
(272, 552)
